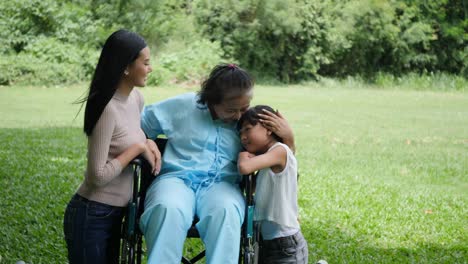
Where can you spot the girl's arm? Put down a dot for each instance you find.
(280, 126)
(274, 159)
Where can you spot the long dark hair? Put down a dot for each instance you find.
(120, 49)
(224, 79)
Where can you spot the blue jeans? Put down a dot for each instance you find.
(92, 231)
(282, 250)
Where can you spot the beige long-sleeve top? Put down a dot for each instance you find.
(117, 129)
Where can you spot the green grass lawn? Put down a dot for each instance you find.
(383, 173)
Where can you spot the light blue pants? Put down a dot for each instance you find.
(169, 210)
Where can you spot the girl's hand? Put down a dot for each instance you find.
(245, 155)
(243, 159)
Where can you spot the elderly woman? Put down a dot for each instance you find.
(199, 175)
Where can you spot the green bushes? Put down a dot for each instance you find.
(297, 40)
(23, 21)
(47, 60)
(27, 69)
(365, 38)
(46, 42)
(276, 38)
(370, 36)
(188, 63)
(286, 40)
(57, 42)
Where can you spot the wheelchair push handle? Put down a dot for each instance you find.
(137, 161)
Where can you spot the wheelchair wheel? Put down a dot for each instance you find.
(250, 254)
(131, 238)
(128, 247)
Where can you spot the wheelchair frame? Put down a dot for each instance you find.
(132, 238)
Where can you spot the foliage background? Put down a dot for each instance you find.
(58, 41)
(383, 174)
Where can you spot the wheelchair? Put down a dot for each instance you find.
(132, 239)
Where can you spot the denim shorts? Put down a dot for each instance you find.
(92, 231)
(290, 249)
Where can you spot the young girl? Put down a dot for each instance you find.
(276, 206)
(93, 217)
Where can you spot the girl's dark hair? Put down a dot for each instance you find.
(224, 80)
(251, 117)
(120, 49)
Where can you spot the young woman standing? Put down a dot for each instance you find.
(93, 217)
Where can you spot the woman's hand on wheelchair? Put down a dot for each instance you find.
(153, 156)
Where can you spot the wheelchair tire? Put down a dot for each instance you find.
(128, 246)
(127, 254)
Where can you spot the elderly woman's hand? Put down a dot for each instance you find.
(277, 124)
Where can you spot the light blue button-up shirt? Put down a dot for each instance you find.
(199, 150)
